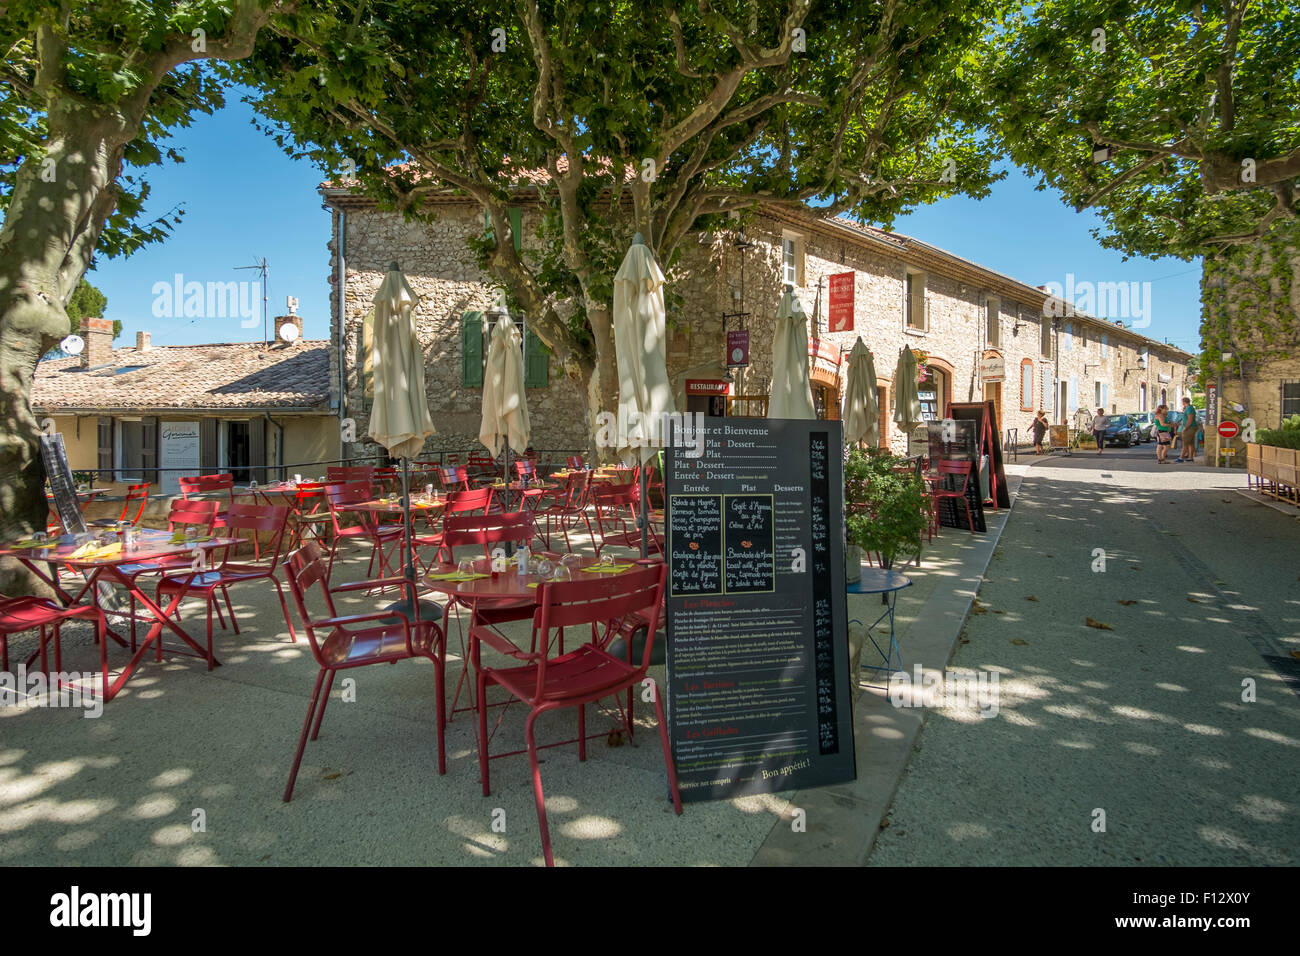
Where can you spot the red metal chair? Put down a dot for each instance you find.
(31, 613)
(309, 513)
(567, 506)
(337, 474)
(254, 520)
(342, 643)
(210, 484)
(616, 508)
(459, 504)
(575, 462)
(368, 527)
(482, 467)
(453, 479)
(575, 679)
(958, 495)
(135, 494)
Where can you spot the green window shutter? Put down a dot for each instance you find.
(105, 449)
(208, 446)
(537, 362)
(149, 449)
(471, 350)
(517, 227)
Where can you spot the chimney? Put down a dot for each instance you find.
(98, 334)
(288, 320)
(142, 342)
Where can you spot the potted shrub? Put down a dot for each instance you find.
(884, 512)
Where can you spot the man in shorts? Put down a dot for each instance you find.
(1188, 429)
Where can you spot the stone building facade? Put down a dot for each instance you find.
(969, 321)
(1251, 324)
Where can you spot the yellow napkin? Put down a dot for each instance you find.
(608, 568)
(93, 552)
(32, 544)
(178, 537)
(456, 576)
(534, 584)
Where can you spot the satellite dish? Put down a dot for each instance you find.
(73, 344)
(289, 332)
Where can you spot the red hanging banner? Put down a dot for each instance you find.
(841, 302)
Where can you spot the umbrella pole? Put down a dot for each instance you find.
(643, 519)
(408, 558)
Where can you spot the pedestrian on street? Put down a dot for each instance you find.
(1164, 434)
(1039, 428)
(1189, 427)
(1099, 423)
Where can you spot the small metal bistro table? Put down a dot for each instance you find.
(887, 583)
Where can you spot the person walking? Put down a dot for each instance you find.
(1099, 423)
(1039, 429)
(1164, 434)
(1188, 428)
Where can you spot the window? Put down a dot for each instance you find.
(1045, 336)
(915, 314)
(130, 450)
(1026, 385)
(792, 259)
(993, 321)
(1103, 345)
(1290, 399)
(1069, 337)
(1097, 396)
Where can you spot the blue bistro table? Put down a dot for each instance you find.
(888, 584)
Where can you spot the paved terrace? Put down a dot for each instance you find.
(123, 789)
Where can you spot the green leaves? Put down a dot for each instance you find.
(883, 511)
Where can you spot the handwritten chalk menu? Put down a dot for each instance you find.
(757, 680)
(695, 543)
(55, 458)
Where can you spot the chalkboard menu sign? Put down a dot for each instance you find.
(758, 688)
(55, 457)
(956, 440)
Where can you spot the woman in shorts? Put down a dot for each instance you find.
(1164, 434)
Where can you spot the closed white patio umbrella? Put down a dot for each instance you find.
(907, 403)
(861, 403)
(790, 395)
(645, 394)
(399, 419)
(505, 408)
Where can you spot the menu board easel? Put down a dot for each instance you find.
(59, 474)
(985, 416)
(758, 686)
(955, 440)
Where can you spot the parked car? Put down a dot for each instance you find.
(1123, 430)
(1146, 423)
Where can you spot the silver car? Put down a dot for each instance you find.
(1146, 422)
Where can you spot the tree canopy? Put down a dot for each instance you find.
(653, 118)
(1198, 103)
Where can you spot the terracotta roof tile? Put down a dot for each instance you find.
(225, 376)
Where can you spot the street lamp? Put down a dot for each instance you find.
(1140, 367)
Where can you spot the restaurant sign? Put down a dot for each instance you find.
(737, 348)
(707, 386)
(841, 304)
(757, 680)
(993, 367)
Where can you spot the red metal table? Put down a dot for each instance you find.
(123, 568)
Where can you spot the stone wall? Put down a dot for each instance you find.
(441, 269)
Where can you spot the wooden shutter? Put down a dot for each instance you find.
(208, 446)
(517, 227)
(105, 444)
(537, 362)
(257, 449)
(367, 362)
(471, 350)
(149, 449)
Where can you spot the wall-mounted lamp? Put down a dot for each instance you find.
(1140, 367)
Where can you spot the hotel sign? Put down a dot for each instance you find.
(841, 302)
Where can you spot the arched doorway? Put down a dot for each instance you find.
(826, 394)
(935, 391)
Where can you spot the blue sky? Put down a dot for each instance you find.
(244, 198)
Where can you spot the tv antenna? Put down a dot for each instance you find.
(261, 266)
